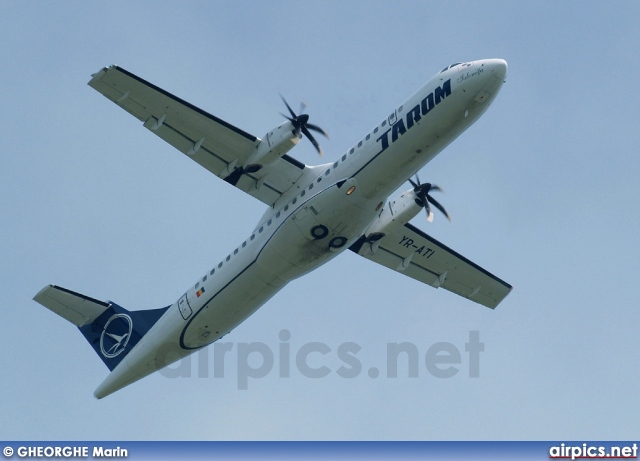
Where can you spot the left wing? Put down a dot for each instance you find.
(411, 252)
(215, 144)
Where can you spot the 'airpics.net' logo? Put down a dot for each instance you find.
(115, 335)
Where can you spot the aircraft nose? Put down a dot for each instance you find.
(498, 67)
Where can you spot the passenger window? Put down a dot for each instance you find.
(375, 130)
(302, 194)
(319, 179)
(253, 236)
(351, 151)
(286, 207)
(261, 229)
(269, 223)
(212, 271)
(278, 214)
(335, 165)
(384, 122)
(310, 186)
(360, 144)
(400, 109)
(326, 173)
(204, 279)
(244, 244)
(344, 157)
(228, 258)
(219, 265)
(368, 137)
(235, 252)
(197, 285)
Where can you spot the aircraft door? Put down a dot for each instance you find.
(184, 307)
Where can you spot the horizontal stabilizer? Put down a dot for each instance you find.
(74, 307)
(111, 330)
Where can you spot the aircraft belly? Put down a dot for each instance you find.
(293, 250)
(288, 253)
(229, 306)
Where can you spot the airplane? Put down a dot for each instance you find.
(314, 213)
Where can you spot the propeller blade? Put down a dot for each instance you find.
(301, 124)
(286, 116)
(424, 198)
(422, 192)
(430, 217)
(309, 136)
(310, 126)
(427, 208)
(439, 207)
(293, 114)
(419, 187)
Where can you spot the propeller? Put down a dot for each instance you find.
(301, 125)
(422, 191)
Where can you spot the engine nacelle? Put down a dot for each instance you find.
(275, 144)
(396, 213)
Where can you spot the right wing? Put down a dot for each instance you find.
(411, 252)
(211, 142)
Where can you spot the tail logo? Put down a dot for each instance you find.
(115, 335)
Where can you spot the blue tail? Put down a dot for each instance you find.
(116, 331)
(112, 330)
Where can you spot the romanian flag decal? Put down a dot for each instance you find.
(200, 292)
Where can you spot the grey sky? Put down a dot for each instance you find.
(542, 191)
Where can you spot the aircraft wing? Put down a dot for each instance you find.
(213, 143)
(413, 253)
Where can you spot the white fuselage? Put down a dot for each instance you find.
(282, 247)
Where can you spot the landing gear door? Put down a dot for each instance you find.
(184, 307)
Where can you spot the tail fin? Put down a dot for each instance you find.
(111, 330)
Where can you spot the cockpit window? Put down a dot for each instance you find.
(449, 67)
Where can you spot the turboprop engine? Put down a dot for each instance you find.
(396, 213)
(401, 210)
(274, 145)
(282, 139)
